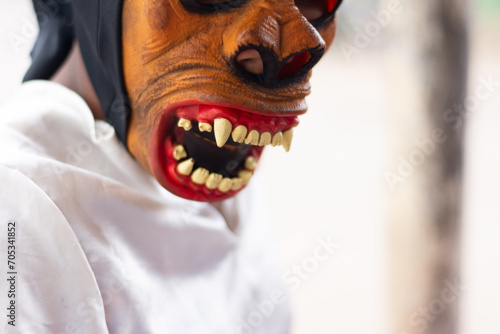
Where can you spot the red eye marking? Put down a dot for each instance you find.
(314, 10)
(331, 5)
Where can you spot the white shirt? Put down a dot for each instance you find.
(101, 247)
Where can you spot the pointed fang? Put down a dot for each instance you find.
(287, 139)
(222, 129)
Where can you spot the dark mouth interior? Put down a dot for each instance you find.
(201, 146)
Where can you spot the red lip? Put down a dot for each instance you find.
(161, 152)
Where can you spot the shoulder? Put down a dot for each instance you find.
(43, 115)
(35, 99)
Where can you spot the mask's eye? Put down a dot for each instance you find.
(210, 2)
(211, 6)
(317, 10)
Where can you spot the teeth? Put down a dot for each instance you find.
(204, 127)
(253, 138)
(179, 152)
(185, 167)
(245, 176)
(213, 181)
(265, 139)
(222, 129)
(184, 123)
(287, 139)
(240, 133)
(277, 139)
(250, 163)
(200, 175)
(237, 183)
(225, 185)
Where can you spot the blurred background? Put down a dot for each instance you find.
(396, 163)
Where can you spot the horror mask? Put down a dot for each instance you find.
(195, 88)
(212, 82)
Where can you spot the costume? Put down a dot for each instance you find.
(102, 248)
(195, 89)
(192, 90)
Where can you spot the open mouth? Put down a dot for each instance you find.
(209, 153)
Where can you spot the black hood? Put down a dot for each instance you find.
(96, 24)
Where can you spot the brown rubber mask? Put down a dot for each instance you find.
(212, 82)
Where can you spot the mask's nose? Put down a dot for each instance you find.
(273, 45)
(294, 64)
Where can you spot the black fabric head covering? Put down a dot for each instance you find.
(97, 27)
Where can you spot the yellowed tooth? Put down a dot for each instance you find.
(237, 183)
(252, 138)
(265, 139)
(222, 130)
(225, 185)
(185, 167)
(240, 133)
(200, 175)
(250, 163)
(179, 152)
(185, 123)
(205, 127)
(277, 139)
(287, 139)
(245, 175)
(213, 181)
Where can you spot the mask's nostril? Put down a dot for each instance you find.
(294, 64)
(251, 61)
